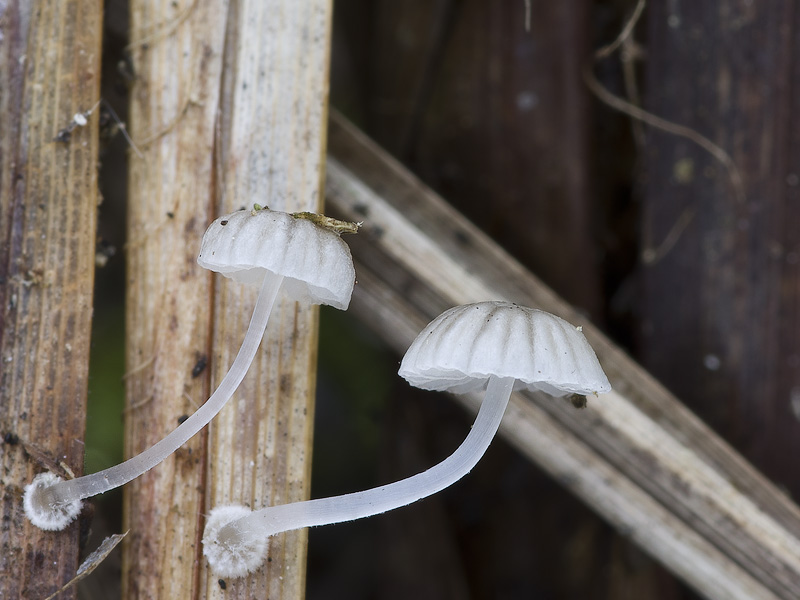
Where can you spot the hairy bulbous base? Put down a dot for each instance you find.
(51, 517)
(231, 559)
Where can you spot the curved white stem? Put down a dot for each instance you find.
(102, 481)
(276, 519)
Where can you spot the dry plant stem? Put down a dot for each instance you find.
(271, 141)
(311, 513)
(626, 32)
(91, 562)
(628, 58)
(102, 481)
(527, 15)
(150, 35)
(429, 255)
(50, 55)
(650, 256)
(545, 441)
(167, 306)
(680, 130)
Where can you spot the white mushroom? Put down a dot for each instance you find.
(496, 345)
(264, 248)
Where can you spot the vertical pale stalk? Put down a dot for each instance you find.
(49, 71)
(274, 115)
(270, 141)
(176, 49)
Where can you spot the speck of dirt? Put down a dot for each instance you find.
(199, 366)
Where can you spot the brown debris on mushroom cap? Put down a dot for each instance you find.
(315, 262)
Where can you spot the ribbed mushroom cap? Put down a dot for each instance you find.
(460, 349)
(314, 261)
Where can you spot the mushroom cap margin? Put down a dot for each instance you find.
(315, 262)
(460, 349)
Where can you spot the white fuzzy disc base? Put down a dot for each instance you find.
(231, 559)
(46, 516)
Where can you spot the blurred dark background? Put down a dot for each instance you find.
(692, 266)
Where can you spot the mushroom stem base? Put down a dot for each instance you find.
(276, 519)
(102, 481)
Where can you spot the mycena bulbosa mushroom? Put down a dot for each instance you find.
(496, 346)
(301, 255)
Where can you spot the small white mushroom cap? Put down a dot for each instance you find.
(44, 516)
(316, 264)
(460, 349)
